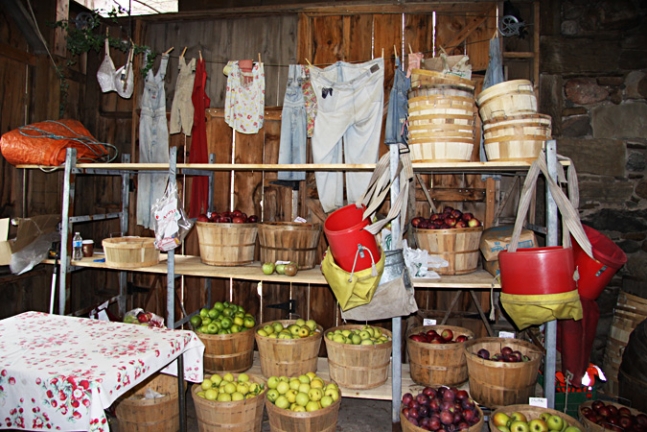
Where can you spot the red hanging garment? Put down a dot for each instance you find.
(199, 151)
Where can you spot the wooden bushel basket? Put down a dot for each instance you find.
(509, 98)
(517, 138)
(458, 246)
(236, 416)
(423, 77)
(289, 241)
(130, 252)
(590, 426)
(226, 244)
(424, 105)
(358, 366)
(230, 352)
(285, 420)
(437, 364)
(495, 384)
(138, 414)
(289, 357)
(407, 426)
(533, 412)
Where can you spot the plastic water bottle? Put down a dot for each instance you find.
(77, 247)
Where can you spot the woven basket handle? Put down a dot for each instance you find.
(570, 218)
(379, 186)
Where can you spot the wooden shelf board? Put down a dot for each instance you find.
(188, 265)
(417, 166)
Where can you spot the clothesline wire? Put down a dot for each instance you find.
(282, 65)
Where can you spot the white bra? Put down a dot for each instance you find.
(120, 80)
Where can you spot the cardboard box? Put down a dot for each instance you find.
(5, 244)
(496, 239)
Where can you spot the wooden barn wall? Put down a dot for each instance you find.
(321, 36)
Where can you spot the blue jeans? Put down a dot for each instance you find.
(396, 117)
(292, 149)
(349, 114)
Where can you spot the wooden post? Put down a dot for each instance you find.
(62, 14)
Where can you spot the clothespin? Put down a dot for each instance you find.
(107, 32)
(259, 58)
(410, 50)
(200, 54)
(382, 52)
(169, 50)
(395, 51)
(308, 61)
(183, 52)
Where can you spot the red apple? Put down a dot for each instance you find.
(447, 334)
(460, 224)
(252, 219)
(483, 353)
(448, 209)
(202, 218)
(407, 398)
(461, 338)
(416, 221)
(450, 221)
(238, 219)
(467, 216)
(457, 214)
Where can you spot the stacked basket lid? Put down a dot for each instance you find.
(512, 128)
(441, 117)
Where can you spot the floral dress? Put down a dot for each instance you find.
(245, 98)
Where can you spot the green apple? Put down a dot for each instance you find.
(538, 425)
(219, 306)
(268, 268)
(280, 269)
(249, 322)
(294, 329)
(300, 322)
(304, 388)
(224, 397)
(295, 383)
(304, 379)
(555, 423)
(315, 394)
(518, 416)
(211, 394)
(196, 321)
(277, 327)
(326, 401)
(312, 324)
(282, 402)
(205, 384)
(236, 396)
(312, 406)
(204, 312)
(356, 339)
(302, 399)
(283, 387)
(292, 395)
(500, 419)
(519, 426)
(572, 429)
(272, 395)
(229, 377)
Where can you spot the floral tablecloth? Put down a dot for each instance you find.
(60, 372)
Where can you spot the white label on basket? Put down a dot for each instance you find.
(538, 402)
(428, 321)
(507, 335)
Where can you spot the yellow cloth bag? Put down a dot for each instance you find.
(528, 310)
(352, 289)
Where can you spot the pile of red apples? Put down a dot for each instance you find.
(507, 355)
(445, 409)
(616, 419)
(432, 336)
(235, 216)
(449, 218)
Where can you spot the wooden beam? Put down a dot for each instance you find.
(467, 30)
(17, 55)
(452, 194)
(62, 14)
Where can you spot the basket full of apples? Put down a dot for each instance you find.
(359, 356)
(451, 235)
(227, 238)
(436, 355)
(598, 416)
(502, 371)
(443, 408)
(528, 418)
(229, 402)
(288, 347)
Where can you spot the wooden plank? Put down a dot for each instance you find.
(453, 194)
(17, 55)
(327, 40)
(460, 37)
(192, 266)
(62, 14)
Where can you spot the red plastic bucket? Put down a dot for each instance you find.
(344, 231)
(596, 273)
(532, 271)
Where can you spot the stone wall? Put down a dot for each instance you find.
(594, 85)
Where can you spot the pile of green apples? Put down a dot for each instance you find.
(519, 422)
(280, 267)
(305, 393)
(300, 329)
(228, 388)
(223, 318)
(367, 335)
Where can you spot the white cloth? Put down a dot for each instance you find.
(245, 98)
(64, 371)
(120, 80)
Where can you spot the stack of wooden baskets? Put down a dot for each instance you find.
(441, 117)
(512, 128)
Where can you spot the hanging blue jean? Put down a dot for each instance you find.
(396, 117)
(493, 75)
(153, 144)
(292, 149)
